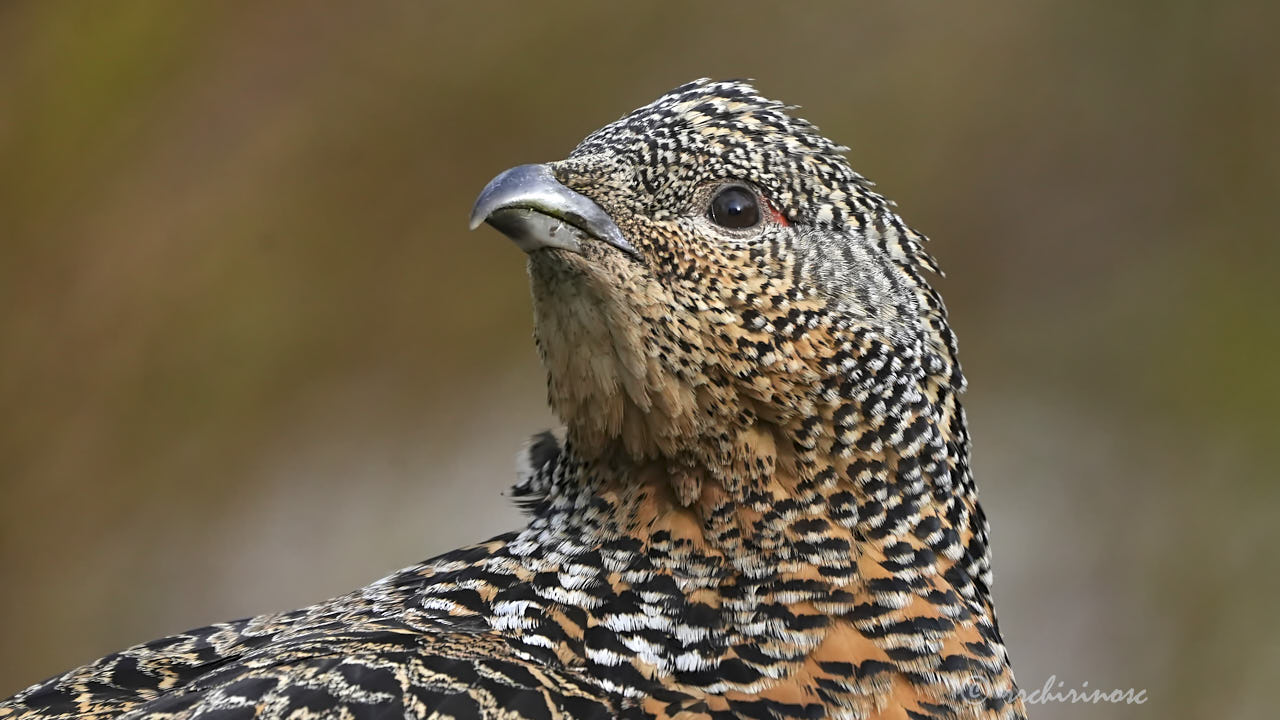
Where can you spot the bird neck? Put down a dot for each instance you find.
(869, 465)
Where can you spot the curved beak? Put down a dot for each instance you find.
(528, 205)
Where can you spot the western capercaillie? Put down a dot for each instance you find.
(759, 505)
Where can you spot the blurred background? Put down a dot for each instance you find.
(251, 358)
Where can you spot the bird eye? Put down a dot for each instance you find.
(735, 207)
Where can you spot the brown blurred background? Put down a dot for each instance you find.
(250, 357)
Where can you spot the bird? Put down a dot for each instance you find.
(758, 502)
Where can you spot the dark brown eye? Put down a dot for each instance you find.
(735, 207)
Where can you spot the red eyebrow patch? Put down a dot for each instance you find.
(777, 214)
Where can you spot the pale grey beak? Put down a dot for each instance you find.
(528, 205)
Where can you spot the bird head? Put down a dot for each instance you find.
(712, 281)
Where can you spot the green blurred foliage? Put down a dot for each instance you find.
(250, 356)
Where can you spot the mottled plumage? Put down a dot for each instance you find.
(760, 504)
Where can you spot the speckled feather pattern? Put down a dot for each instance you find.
(759, 505)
